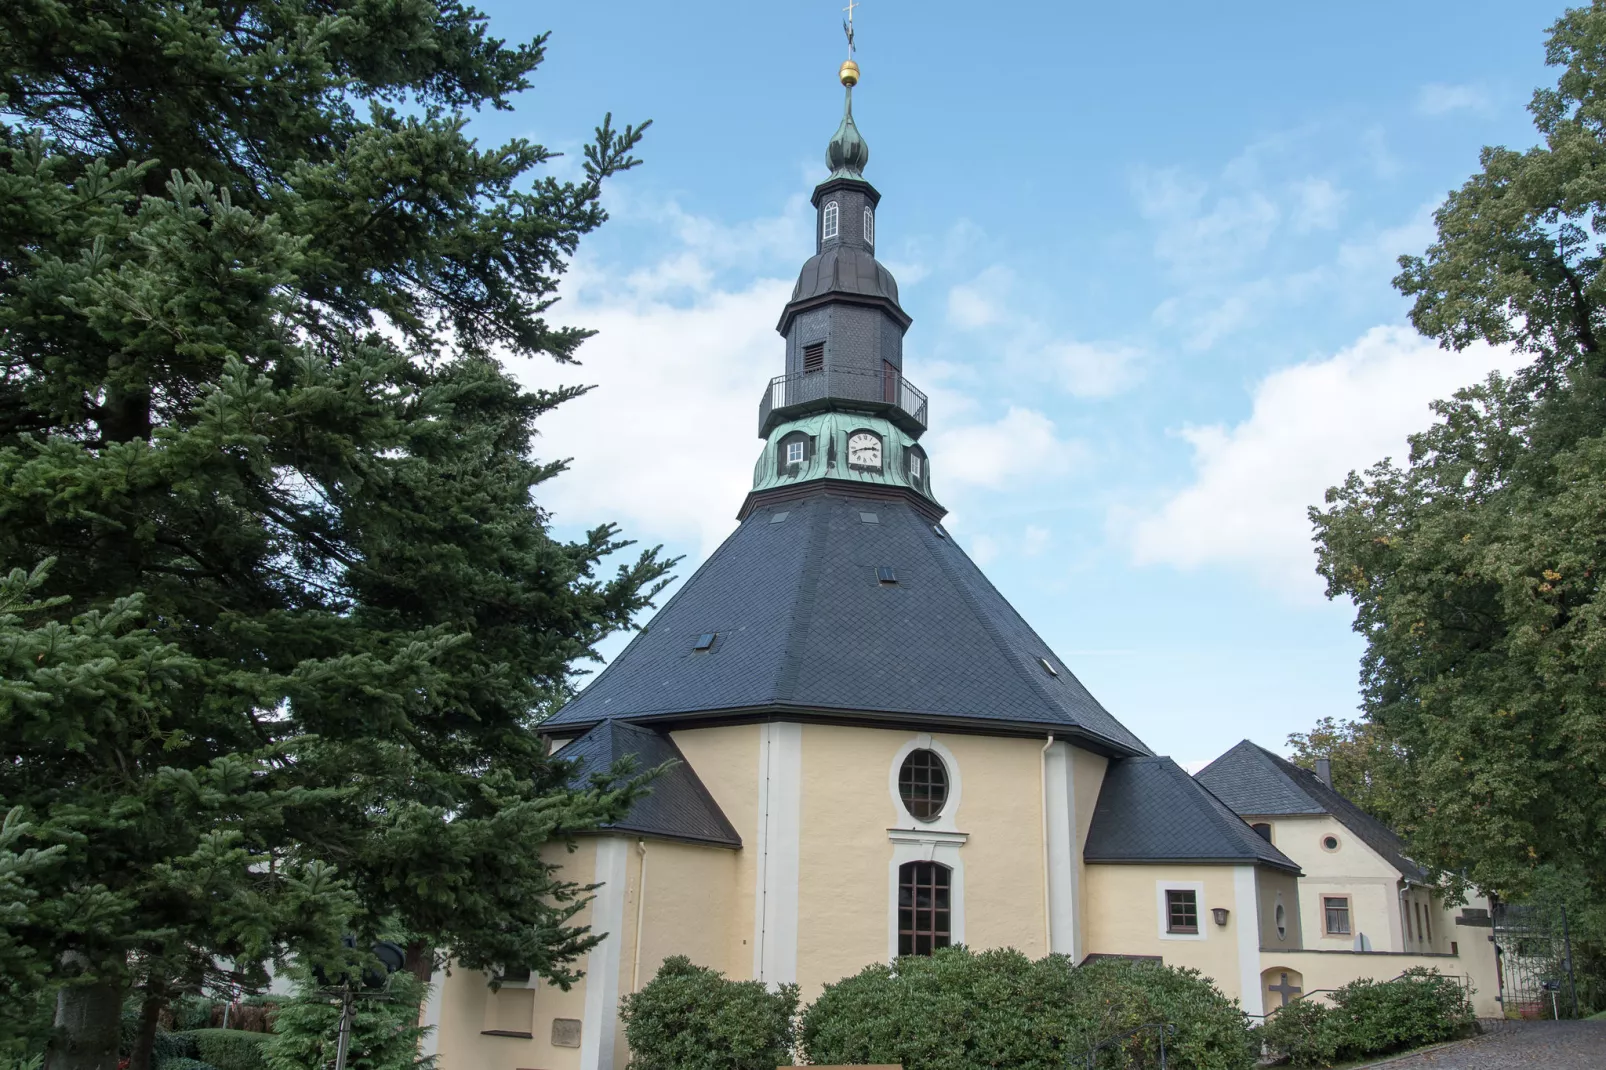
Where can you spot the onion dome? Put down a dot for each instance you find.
(848, 152)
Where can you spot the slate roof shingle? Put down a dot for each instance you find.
(1150, 810)
(677, 805)
(804, 626)
(1257, 783)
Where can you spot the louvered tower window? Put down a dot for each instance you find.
(814, 357)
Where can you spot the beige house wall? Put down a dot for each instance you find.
(1124, 918)
(1353, 870)
(1322, 971)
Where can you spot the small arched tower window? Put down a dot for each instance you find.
(925, 907)
(869, 225)
(828, 221)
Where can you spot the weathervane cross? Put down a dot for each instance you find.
(847, 27)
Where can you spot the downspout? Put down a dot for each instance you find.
(641, 916)
(1048, 903)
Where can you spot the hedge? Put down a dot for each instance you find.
(959, 1010)
(230, 1049)
(689, 1017)
(1366, 1018)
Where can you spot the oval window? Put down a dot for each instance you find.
(1282, 922)
(1330, 843)
(923, 784)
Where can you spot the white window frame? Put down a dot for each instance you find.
(1163, 913)
(799, 447)
(914, 466)
(869, 225)
(828, 221)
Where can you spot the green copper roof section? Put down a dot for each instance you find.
(827, 455)
(848, 152)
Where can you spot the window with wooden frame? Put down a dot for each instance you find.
(925, 907)
(923, 783)
(1335, 915)
(1181, 910)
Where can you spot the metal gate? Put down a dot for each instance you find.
(1529, 947)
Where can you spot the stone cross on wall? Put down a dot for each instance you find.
(1284, 989)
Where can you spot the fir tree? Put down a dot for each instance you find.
(256, 284)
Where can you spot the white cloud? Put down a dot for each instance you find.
(992, 455)
(1439, 98)
(1310, 426)
(1092, 371)
(982, 301)
(1035, 540)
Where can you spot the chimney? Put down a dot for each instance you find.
(1324, 771)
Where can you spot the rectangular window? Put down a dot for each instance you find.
(794, 452)
(1335, 915)
(914, 466)
(925, 907)
(1420, 931)
(1427, 916)
(814, 357)
(1182, 911)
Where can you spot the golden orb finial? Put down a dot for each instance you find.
(849, 74)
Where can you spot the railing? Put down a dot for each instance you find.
(1160, 1029)
(887, 392)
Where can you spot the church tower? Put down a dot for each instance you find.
(842, 410)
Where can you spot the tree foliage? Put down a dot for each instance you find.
(689, 1017)
(1363, 764)
(1476, 569)
(256, 287)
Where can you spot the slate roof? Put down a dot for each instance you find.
(1150, 810)
(677, 806)
(805, 627)
(1257, 783)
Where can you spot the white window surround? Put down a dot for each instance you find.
(924, 845)
(914, 465)
(794, 452)
(1163, 914)
(869, 225)
(828, 221)
(938, 840)
(946, 820)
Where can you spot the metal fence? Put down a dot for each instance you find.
(876, 390)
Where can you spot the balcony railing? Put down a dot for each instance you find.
(888, 394)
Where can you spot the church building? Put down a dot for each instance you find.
(874, 754)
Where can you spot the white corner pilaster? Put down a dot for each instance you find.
(1059, 786)
(780, 806)
(1246, 905)
(602, 962)
(430, 1046)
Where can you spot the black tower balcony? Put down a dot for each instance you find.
(886, 394)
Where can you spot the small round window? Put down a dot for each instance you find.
(1329, 843)
(923, 784)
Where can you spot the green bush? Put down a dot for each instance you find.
(689, 1017)
(181, 1062)
(1303, 1032)
(172, 1046)
(192, 1012)
(230, 1049)
(1367, 1017)
(958, 1010)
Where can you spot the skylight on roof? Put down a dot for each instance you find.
(705, 642)
(778, 517)
(886, 574)
(869, 518)
(1046, 664)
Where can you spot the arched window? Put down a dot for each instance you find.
(1263, 830)
(925, 907)
(923, 784)
(828, 223)
(869, 226)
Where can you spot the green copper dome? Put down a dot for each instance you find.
(848, 152)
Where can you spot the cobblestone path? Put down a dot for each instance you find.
(1555, 1045)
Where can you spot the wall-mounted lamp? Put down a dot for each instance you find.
(1220, 914)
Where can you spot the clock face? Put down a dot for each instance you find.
(864, 450)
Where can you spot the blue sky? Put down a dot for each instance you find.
(1148, 252)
